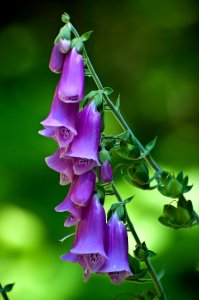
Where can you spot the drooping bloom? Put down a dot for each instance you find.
(60, 123)
(71, 88)
(77, 259)
(84, 188)
(117, 265)
(68, 205)
(56, 60)
(90, 236)
(106, 173)
(64, 45)
(84, 147)
(61, 165)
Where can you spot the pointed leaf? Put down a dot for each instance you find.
(151, 145)
(117, 104)
(8, 287)
(86, 36)
(108, 91)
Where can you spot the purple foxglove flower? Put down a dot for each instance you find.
(106, 173)
(60, 123)
(90, 235)
(117, 265)
(78, 259)
(64, 45)
(61, 165)
(56, 60)
(84, 147)
(68, 205)
(84, 188)
(71, 88)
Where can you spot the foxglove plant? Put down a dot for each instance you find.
(83, 159)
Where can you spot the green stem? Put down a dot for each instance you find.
(150, 269)
(4, 295)
(114, 110)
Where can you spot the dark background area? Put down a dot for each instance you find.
(148, 52)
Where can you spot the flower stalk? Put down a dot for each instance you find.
(147, 157)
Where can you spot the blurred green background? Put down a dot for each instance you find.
(148, 52)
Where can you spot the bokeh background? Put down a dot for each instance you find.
(148, 52)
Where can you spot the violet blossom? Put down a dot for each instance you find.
(90, 236)
(62, 165)
(56, 60)
(84, 147)
(64, 45)
(117, 265)
(60, 123)
(71, 88)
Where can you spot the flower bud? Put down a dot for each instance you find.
(64, 45)
(56, 60)
(106, 173)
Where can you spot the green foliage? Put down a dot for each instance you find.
(150, 145)
(119, 207)
(142, 252)
(86, 36)
(7, 288)
(128, 151)
(171, 186)
(108, 91)
(182, 216)
(77, 43)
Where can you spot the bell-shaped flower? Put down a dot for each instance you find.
(68, 205)
(71, 88)
(90, 235)
(117, 265)
(84, 147)
(106, 173)
(84, 188)
(62, 165)
(60, 123)
(71, 257)
(56, 60)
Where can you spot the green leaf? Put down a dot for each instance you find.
(121, 212)
(86, 36)
(134, 264)
(151, 145)
(108, 91)
(91, 94)
(117, 104)
(151, 253)
(8, 287)
(77, 43)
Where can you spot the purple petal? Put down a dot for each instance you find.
(61, 165)
(90, 235)
(62, 119)
(117, 251)
(68, 205)
(56, 60)
(85, 144)
(71, 88)
(84, 189)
